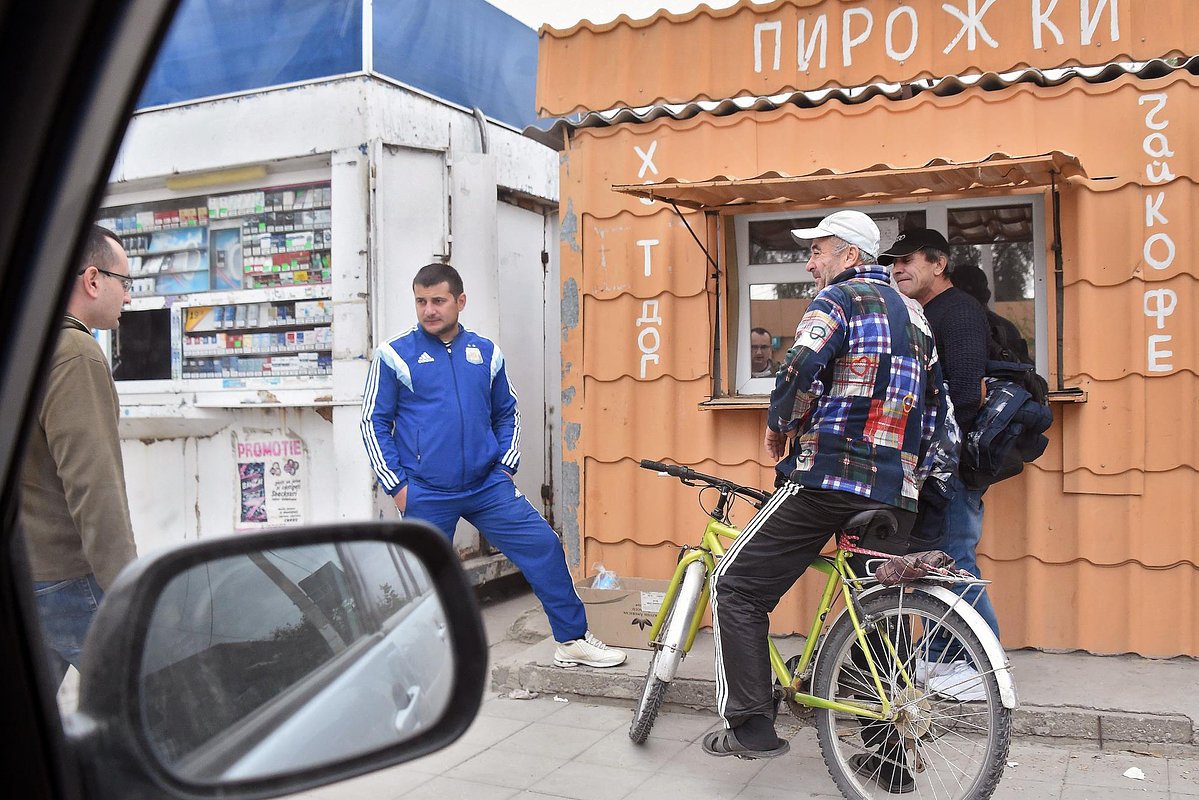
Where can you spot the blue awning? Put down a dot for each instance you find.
(465, 51)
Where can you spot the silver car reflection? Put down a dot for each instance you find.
(270, 661)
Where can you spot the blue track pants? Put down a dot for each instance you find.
(510, 522)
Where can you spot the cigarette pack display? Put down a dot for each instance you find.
(273, 238)
(298, 240)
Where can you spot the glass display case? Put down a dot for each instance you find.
(229, 286)
(257, 339)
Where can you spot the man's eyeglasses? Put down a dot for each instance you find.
(126, 281)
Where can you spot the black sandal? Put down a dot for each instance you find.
(898, 780)
(724, 742)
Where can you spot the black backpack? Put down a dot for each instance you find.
(1009, 430)
(1007, 347)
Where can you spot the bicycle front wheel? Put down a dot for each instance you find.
(668, 651)
(945, 738)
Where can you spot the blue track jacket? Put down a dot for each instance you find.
(442, 415)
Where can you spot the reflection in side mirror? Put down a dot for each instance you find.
(284, 659)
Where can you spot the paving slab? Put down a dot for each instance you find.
(1123, 702)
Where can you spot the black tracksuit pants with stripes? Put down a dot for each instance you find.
(774, 549)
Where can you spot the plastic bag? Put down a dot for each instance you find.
(605, 578)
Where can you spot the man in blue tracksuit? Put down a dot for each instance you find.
(442, 431)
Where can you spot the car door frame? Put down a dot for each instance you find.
(81, 65)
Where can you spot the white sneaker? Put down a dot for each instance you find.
(931, 669)
(962, 683)
(588, 651)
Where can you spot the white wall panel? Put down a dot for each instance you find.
(522, 305)
(410, 186)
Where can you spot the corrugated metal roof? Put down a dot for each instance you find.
(1102, 254)
(936, 177)
(635, 345)
(845, 138)
(763, 50)
(615, 248)
(672, 432)
(1027, 517)
(554, 135)
(1095, 538)
(1106, 352)
(1101, 608)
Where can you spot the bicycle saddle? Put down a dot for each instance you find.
(877, 525)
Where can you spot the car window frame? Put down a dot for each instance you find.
(411, 597)
(91, 59)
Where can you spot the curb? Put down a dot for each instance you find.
(481, 570)
(1152, 733)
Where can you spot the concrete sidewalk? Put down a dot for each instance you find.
(552, 748)
(571, 742)
(1112, 702)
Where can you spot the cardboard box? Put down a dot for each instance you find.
(622, 617)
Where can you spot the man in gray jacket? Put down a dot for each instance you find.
(74, 509)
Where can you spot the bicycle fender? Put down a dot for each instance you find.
(674, 638)
(994, 650)
(995, 654)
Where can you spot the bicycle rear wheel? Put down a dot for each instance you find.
(934, 744)
(668, 651)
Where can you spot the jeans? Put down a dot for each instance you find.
(961, 529)
(65, 610)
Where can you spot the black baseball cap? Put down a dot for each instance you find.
(912, 240)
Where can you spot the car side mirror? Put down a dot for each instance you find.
(271, 663)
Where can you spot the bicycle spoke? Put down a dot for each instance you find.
(930, 744)
(950, 769)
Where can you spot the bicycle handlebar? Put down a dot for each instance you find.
(669, 469)
(686, 474)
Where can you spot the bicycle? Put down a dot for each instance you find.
(865, 676)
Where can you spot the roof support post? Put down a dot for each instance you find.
(1058, 280)
(716, 354)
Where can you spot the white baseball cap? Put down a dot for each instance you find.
(852, 227)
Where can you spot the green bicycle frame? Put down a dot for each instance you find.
(839, 576)
(709, 550)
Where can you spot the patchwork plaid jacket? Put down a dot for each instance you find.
(863, 393)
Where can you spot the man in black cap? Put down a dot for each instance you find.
(919, 261)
